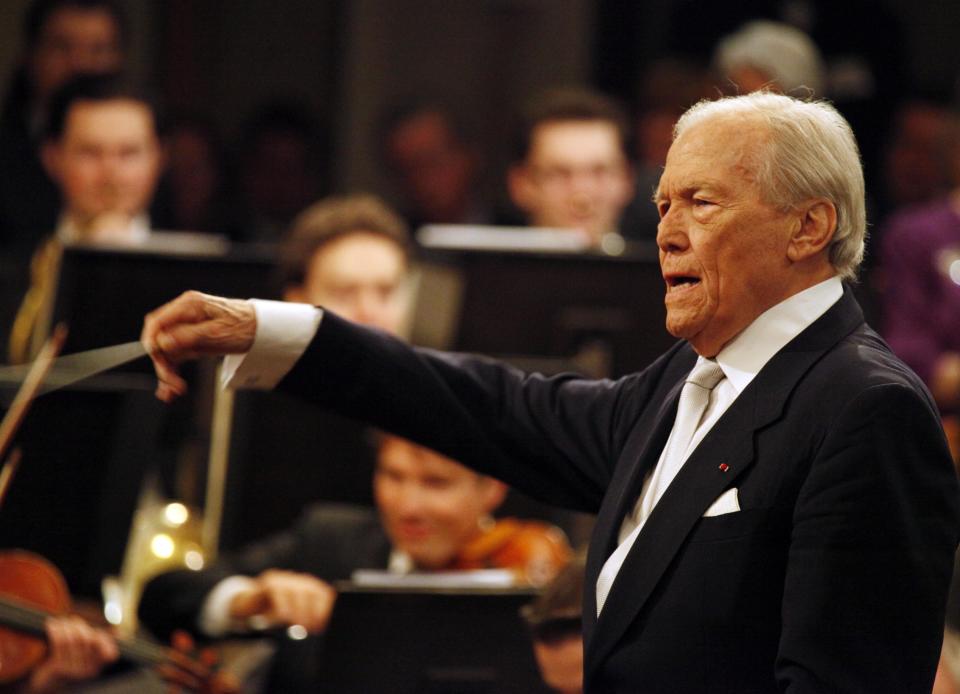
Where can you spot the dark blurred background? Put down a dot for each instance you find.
(341, 61)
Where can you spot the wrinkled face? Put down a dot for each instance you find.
(435, 169)
(107, 160)
(360, 277)
(723, 249)
(575, 176)
(430, 505)
(74, 40)
(561, 664)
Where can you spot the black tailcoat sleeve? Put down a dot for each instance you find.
(831, 578)
(567, 430)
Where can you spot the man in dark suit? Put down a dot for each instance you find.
(776, 506)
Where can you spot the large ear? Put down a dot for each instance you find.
(493, 492)
(817, 224)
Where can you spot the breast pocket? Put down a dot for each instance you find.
(731, 526)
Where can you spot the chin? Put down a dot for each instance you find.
(682, 330)
(428, 562)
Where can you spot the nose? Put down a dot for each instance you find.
(370, 309)
(581, 201)
(671, 236)
(409, 501)
(584, 184)
(111, 170)
(82, 59)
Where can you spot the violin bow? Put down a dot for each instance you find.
(21, 403)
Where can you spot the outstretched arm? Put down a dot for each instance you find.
(557, 439)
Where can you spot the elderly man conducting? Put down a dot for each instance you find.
(776, 506)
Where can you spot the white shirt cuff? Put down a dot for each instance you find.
(284, 330)
(214, 620)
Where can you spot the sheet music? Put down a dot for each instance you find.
(482, 578)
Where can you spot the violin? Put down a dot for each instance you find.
(32, 590)
(534, 551)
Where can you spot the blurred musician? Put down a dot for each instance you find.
(555, 621)
(102, 149)
(434, 514)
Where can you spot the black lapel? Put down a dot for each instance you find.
(701, 480)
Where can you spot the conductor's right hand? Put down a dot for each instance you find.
(194, 325)
(285, 598)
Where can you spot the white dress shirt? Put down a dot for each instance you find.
(136, 232)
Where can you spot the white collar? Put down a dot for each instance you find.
(400, 562)
(138, 230)
(745, 355)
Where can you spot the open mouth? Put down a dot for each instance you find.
(675, 282)
(412, 532)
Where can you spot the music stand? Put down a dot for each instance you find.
(104, 293)
(541, 308)
(429, 641)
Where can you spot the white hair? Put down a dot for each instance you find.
(787, 55)
(808, 151)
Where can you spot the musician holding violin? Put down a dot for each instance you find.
(46, 647)
(76, 651)
(432, 515)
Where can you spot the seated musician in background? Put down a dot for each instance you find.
(555, 621)
(432, 515)
(436, 164)
(571, 168)
(351, 253)
(102, 149)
